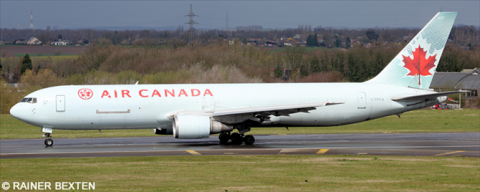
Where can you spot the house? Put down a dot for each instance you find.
(34, 41)
(19, 41)
(467, 80)
(252, 41)
(270, 43)
(60, 42)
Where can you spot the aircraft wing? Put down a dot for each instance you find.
(426, 96)
(258, 114)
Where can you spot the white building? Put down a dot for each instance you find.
(59, 42)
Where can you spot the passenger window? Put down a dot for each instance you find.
(34, 100)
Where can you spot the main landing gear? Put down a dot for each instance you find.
(48, 141)
(237, 138)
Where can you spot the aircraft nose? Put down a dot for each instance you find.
(15, 111)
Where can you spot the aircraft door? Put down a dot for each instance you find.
(361, 100)
(60, 103)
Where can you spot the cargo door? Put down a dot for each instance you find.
(60, 103)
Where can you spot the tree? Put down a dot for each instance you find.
(38, 68)
(337, 41)
(293, 57)
(371, 34)
(314, 64)
(309, 40)
(60, 36)
(278, 71)
(43, 38)
(26, 64)
(244, 41)
(347, 43)
(312, 40)
(303, 70)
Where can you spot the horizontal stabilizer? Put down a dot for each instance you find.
(426, 96)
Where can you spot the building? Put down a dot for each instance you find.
(60, 42)
(34, 41)
(19, 42)
(467, 80)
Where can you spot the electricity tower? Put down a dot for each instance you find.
(191, 22)
(31, 20)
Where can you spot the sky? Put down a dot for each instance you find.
(275, 14)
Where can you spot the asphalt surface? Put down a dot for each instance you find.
(405, 144)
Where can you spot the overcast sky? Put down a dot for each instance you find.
(212, 14)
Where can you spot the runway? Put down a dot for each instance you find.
(404, 144)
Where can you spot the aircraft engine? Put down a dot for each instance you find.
(197, 127)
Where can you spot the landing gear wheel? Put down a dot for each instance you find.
(249, 140)
(224, 137)
(236, 138)
(48, 142)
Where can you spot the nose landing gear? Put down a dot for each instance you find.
(48, 142)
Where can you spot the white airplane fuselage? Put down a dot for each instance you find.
(148, 106)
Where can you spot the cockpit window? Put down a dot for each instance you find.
(29, 100)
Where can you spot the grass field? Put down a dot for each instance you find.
(466, 120)
(54, 58)
(21, 50)
(253, 173)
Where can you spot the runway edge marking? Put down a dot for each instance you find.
(448, 153)
(193, 152)
(322, 151)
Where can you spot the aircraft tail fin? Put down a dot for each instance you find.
(415, 65)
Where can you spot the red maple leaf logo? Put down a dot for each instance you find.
(419, 65)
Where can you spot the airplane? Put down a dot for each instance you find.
(195, 111)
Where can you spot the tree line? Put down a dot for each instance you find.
(468, 36)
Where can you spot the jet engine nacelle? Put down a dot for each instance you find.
(197, 127)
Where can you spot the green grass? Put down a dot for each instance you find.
(54, 58)
(466, 120)
(252, 173)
